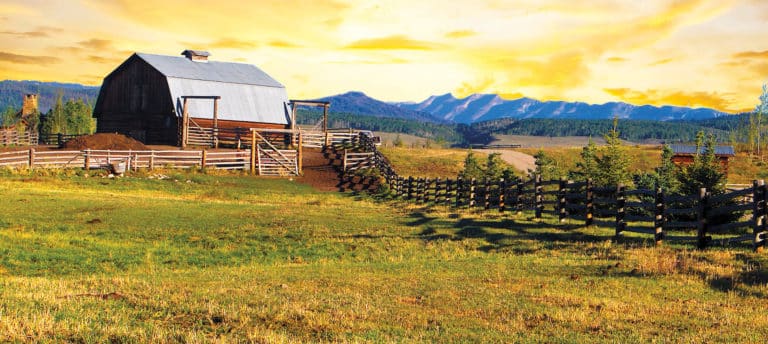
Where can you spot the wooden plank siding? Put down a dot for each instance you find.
(135, 100)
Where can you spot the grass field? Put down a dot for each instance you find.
(199, 258)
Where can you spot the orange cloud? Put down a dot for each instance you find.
(460, 34)
(481, 86)
(283, 44)
(713, 100)
(27, 59)
(396, 42)
(95, 43)
(661, 62)
(616, 59)
(751, 55)
(39, 32)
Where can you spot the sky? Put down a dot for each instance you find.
(687, 53)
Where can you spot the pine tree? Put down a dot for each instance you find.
(705, 171)
(587, 167)
(613, 165)
(472, 168)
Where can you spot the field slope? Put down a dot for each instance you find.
(198, 258)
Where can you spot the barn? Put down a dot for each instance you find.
(188, 99)
(684, 155)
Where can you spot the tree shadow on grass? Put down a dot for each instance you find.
(507, 233)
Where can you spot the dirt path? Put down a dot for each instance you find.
(519, 161)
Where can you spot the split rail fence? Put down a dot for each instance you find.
(9, 137)
(692, 218)
(126, 159)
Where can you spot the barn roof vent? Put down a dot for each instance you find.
(196, 55)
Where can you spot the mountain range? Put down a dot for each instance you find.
(436, 109)
(486, 107)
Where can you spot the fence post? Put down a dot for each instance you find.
(519, 196)
(438, 191)
(561, 202)
(410, 188)
(344, 162)
(31, 162)
(152, 161)
(459, 189)
(487, 193)
(590, 202)
(758, 214)
(203, 158)
(448, 191)
(502, 195)
(59, 140)
(472, 184)
(620, 209)
(658, 222)
(701, 232)
(87, 159)
(538, 195)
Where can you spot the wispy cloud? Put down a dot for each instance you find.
(713, 100)
(27, 59)
(460, 34)
(395, 42)
(751, 55)
(39, 32)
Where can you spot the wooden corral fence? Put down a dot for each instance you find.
(12, 137)
(693, 218)
(127, 159)
(58, 139)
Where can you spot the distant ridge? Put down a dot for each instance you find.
(359, 103)
(11, 92)
(485, 107)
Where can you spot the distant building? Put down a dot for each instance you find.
(145, 98)
(684, 154)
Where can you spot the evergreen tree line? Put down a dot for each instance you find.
(73, 116)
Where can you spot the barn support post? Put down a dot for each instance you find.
(300, 153)
(254, 146)
(215, 123)
(325, 120)
(184, 124)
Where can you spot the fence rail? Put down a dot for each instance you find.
(9, 137)
(131, 160)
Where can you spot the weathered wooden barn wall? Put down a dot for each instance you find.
(135, 100)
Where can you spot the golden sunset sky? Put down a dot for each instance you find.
(690, 53)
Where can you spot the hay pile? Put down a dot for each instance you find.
(104, 141)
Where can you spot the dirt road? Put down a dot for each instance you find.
(519, 161)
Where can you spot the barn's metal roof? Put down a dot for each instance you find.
(184, 68)
(688, 149)
(239, 102)
(247, 93)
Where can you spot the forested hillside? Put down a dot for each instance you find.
(12, 91)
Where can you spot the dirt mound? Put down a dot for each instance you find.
(105, 141)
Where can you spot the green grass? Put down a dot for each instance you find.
(198, 258)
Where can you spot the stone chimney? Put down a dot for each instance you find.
(196, 55)
(30, 105)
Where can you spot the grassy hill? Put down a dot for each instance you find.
(198, 258)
